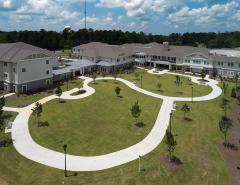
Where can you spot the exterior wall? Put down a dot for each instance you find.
(35, 70)
(34, 85)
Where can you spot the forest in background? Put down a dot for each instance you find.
(66, 39)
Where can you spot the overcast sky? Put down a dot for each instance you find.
(150, 16)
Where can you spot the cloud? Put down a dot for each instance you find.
(213, 15)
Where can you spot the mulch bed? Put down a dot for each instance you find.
(231, 152)
(3, 181)
(171, 166)
(78, 93)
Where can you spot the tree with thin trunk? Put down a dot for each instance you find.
(136, 74)
(178, 80)
(224, 125)
(224, 105)
(225, 88)
(186, 109)
(80, 84)
(136, 111)
(159, 86)
(58, 92)
(37, 111)
(94, 76)
(2, 104)
(117, 91)
(171, 143)
(203, 75)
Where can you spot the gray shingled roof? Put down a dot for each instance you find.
(14, 52)
(74, 65)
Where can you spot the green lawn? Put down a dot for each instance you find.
(99, 124)
(169, 88)
(198, 143)
(14, 101)
(198, 148)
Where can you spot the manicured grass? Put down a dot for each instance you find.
(169, 88)
(14, 101)
(197, 147)
(99, 124)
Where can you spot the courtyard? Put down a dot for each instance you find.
(102, 123)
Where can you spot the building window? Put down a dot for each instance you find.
(23, 70)
(5, 76)
(47, 72)
(230, 64)
(14, 70)
(47, 61)
(220, 63)
(206, 63)
(5, 64)
(187, 61)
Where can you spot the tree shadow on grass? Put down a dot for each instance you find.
(120, 97)
(188, 119)
(171, 164)
(230, 146)
(42, 124)
(62, 101)
(139, 125)
(72, 174)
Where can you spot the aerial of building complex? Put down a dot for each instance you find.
(26, 68)
(125, 92)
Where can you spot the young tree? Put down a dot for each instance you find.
(225, 88)
(159, 86)
(224, 125)
(203, 75)
(136, 74)
(37, 110)
(58, 92)
(94, 76)
(224, 106)
(185, 108)
(178, 80)
(171, 143)
(117, 91)
(80, 84)
(2, 104)
(136, 111)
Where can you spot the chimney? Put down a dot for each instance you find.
(166, 46)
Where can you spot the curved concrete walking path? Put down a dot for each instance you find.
(27, 147)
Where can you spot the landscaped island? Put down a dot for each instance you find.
(99, 124)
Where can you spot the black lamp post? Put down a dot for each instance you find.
(170, 123)
(192, 94)
(65, 157)
(141, 80)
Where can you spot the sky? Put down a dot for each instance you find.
(149, 16)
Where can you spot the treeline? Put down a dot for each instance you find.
(53, 40)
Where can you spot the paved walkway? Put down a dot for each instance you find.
(7, 95)
(27, 147)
